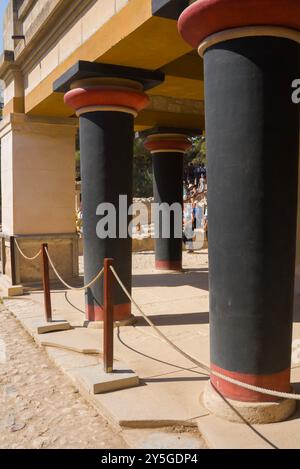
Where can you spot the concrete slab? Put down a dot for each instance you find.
(175, 438)
(220, 434)
(97, 381)
(170, 386)
(150, 356)
(52, 326)
(80, 340)
(61, 300)
(160, 401)
(68, 360)
(198, 304)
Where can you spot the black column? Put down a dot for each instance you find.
(106, 143)
(106, 99)
(168, 189)
(252, 132)
(167, 147)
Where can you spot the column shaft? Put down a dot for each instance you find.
(167, 147)
(106, 142)
(106, 99)
(252, 130)
(167, 189)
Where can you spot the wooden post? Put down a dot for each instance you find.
(3, 255)
(46, 284)
(108, 326)
(13, 260)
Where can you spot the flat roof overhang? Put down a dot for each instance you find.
(137, 36)
(171, 9)
(83, 69)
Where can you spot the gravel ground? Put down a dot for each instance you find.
(144, 261)
(39, 408)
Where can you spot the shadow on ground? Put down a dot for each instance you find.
(175, 319)
(197, 278)
(175, 379)
(297, 307)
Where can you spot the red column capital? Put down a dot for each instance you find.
(206, 17)
(167, 143)
(88, 96)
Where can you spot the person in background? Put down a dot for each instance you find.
(203, 170)
(194, 215)
(205, 224)
(188, 232)
(198, 174)
(79, 220)
(201, 184)
(185, 176)
(191, 173)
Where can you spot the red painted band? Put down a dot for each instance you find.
(81, 97)
(96, 313)
(163, 145)
(206, 17)
(277, 382)
(168, 265)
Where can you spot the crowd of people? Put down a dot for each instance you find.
(195, 205)
(195, 216)
(194, 181)
(193, 173)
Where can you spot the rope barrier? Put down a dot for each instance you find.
(270, 392)
(98, 276)
(195, 361)
(24, 255)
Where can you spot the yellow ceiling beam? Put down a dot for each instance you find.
(121, 25)
(149, 119)
(132, 38)
(180, 88)
(154, 44)
(174, 87)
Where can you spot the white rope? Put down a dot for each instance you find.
(270, 392)
(26, 257)
(70, 286)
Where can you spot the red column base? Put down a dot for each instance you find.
(96, 313)
(168, 265)
(276, 382)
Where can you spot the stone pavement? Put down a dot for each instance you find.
(39, 407)
(168, 401)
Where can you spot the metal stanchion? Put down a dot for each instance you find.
(108, 326)
(13, 260)
(46, 284)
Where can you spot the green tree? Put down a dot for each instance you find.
(142, 164)
(197, 153)
(142, 170)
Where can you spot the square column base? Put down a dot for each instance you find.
(96, 381)
(251, 412)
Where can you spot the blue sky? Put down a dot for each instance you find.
(3, 4)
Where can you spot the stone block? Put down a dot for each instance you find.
(42, 327)
(15, 290)
(96, 381)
